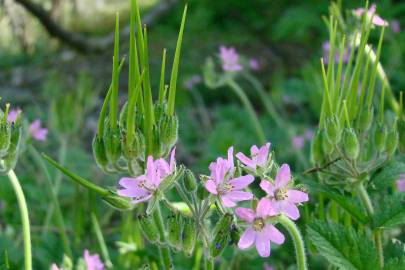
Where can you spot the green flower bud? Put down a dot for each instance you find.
(222, 235)
(118, 202)
(136, 148)
(333, 131)
(112, 143)
(401, 133)
(168, 129)
(391, 143)
(350, 143)
(316, 148)
(202, 192)
(190, 183)
(99, 152)
(189, 236)
(174, 228)
(380, 136)
(327, 145)
(157, 144)
(365, 119)
(149, 228)
(160, 110)
(5, 137)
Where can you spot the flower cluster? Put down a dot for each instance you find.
(371, 13)
(92, 262)
(281, 197)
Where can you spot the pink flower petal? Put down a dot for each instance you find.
(230, 158)
(247, 239)
(296, 196)
(263, 246)
(401, 185)
(143, 199)
(172, 160)
(211, 187)
(246, 161)
(274, 234)
(227, 202)
(283, 176)
(245, 213)
(264, 208)
(129, 182)
(290, 210)
(263, 154)
(237, 195)
(241, 182)
(268, 187)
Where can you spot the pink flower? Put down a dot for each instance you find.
(284, 199)
(55, 267)
(143, 187)
(93, 262)
(260, 158)
(298, 142)
(37, 132)
(309, 134)
(401, 183)
(230, 59)
(259, 232)
(326, 50)
(377, 20)
(395, 26)
(254, 64)
(12, 115)
(222, 183)
(268, 267)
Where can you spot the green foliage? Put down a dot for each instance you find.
(343, 247)
(390, 173)
(391, 211)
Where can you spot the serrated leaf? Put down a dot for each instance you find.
(390, 173)
(395, 264)
(391, 212)
(343, 247)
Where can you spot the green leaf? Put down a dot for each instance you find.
(390, 173)
(395, 264)
(343, 247)
(390, 212)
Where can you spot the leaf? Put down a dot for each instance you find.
(343, 247)
(388, 174)
(395, 264)
(390, 212)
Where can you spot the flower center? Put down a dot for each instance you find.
(225, 188)
(280, 194)
(258, 224)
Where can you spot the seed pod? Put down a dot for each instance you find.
(160, 110)
(118, 202)
(190, 182)
(202, 192)
(112, 143)
(365, 119)
(189, 236)
(391, 143)
(174, 228)
(134, 149)
(235, 234)
(123, 115)
(15, 138)
(327, 145)
(168, 130)
(350, 143)
(380, 136)
(5, 137)
(222, 235)
(99, 152)
(333, 130)
(149, 228)
(316, 148)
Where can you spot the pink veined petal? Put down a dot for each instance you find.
(268, 187)
(247, 239)
(377, 20)
(227, 202)
(172, 160)
(241, 182)
(246, 214)
(237, 195)
(264, 208)
(143, 199)
(230, 158)
(40, 134)
(246, 161)
(254, 150)
(220, 170)
(283, 176)
(133, 192)
(211, 187)
(129, 182)
(263, 246)
(34, 126)
(263, 154)
(296, 196)
(401, 185)
(274, 234)
(162, 168)
(277, 206)
(151, 174)
(290, 209)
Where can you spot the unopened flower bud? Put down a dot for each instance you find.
(380, 136)
(168, 129)
(5, 137)
(99, 152)
(149, 228)
(190, 183)
(222, 235)
(350, 143)
(365, 119)
(316, 148)
(333, 130)
(189, 236)
(112, 143)
(118, 202)
(174, 228)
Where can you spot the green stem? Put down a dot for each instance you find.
(22, 204)
(164, 250)
(298, 241)
(101, 241)
(248, 106)
(365, 198)
(54, 198)
(209, 263)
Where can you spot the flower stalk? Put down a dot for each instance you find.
(165, 254)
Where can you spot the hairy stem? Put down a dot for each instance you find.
(101, 241)
(209, 263)
(365, 198)
(22, 204)
(164, 250)
(298, 241)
